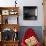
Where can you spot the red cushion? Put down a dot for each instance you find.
(29, 33)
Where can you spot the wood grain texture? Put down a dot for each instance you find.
(11, 26)
(44, 7)
(12, 43)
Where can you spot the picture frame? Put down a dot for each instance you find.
(5, 12)
(30, 12)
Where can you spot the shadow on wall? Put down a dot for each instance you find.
(37, 29)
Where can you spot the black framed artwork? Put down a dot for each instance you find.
(30, 12)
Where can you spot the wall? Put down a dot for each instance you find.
(37, 3)
(22, 3)
(36, 25)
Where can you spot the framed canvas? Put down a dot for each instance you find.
(30, 12)
(5, 12)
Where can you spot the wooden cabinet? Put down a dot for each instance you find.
(9, 26)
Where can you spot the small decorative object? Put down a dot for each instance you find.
(15, 30)
(6, 21)
(0, 36)
(16, 35)
(5, 12)
(15, 3)
(13, 12)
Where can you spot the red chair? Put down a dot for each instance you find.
(29, 33)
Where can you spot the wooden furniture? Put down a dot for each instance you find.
(0, 43)
(7, 23)
(44, 37)
(44, 8)
(10, 43)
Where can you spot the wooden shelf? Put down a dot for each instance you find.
(11, 26)
(4, 13)
(9, 43)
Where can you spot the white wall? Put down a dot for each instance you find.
(7, 3)
(37, 3)
(22, 3)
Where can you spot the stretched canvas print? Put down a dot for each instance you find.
(30, 13)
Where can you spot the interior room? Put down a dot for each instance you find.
(22, 23)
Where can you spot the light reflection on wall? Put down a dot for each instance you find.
(7, 3)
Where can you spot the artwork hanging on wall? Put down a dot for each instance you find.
(30, 12)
